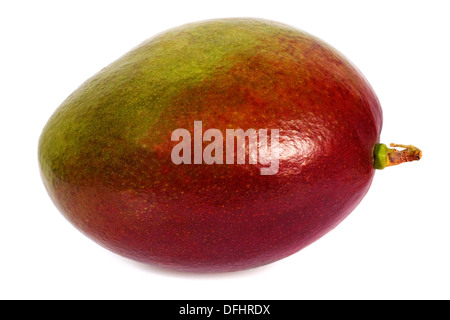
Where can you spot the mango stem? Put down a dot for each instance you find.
(387, 157)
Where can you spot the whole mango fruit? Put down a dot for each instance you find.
(216, 146)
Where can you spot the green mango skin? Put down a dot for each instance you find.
(105, 155)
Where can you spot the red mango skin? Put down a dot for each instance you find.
(105, 154)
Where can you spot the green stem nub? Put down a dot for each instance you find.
(386, 157)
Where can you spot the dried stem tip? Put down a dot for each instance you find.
(386, 157)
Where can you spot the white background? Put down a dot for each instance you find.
(395, 245)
